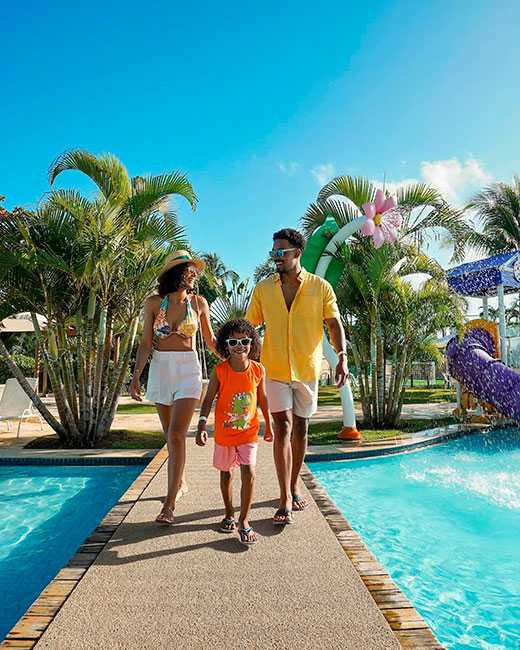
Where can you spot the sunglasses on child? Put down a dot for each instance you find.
(280, 252)
(234, 342)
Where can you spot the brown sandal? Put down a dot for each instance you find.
(165, 516)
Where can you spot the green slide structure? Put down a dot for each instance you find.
(318, 257)
(315, 248)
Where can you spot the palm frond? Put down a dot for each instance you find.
(497, 208)
(359, 190)
(107, 172)
(342, 212)
(152, 193)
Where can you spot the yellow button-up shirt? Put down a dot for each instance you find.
(292, 349)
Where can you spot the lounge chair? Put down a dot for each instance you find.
(15, 403)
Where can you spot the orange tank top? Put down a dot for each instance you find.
(236, 413)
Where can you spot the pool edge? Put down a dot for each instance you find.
(30, 627)
(451, 432)
(407, 625)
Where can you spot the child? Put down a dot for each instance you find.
(240, 384)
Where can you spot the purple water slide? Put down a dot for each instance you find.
(471, 363)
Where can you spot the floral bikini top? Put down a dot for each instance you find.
(187, 327)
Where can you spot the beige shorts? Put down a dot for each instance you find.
(300, 397)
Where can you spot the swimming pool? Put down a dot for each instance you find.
(445, 523)
(46, 511)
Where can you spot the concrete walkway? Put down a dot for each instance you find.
(190, 586)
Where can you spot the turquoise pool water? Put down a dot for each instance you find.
(445, 523)
(46, 511)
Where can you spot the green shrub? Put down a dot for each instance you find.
(25, 363)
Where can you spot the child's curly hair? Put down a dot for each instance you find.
(238, 326)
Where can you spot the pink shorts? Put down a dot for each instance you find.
(226, 458)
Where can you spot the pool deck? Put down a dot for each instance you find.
(164, 587)
(134, 584)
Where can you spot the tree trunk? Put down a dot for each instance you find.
(114, 391)
(89, 344)
(34, 397)
(380, 371)
(389, 402)
(80, 371)
(398, 386)
(361, 369)
(98, 373)
(69, 380)
(105, 372)
(373, 369)
(66, 416)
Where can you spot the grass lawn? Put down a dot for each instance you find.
(117, 439)
(329, 396)
(324, 433)
(136, 408)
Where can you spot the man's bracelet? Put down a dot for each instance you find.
(203, 418)
(341, 352)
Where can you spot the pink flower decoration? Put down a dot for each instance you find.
(383, 220)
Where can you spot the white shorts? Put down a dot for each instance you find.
(300, 397)
(173, 376)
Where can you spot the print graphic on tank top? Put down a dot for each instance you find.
(240, 416)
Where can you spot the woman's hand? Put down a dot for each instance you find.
(135, 389)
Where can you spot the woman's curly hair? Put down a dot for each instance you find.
(238, 326)
(170, 281)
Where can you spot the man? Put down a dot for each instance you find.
(293, 304)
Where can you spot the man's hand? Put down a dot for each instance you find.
(268, 433)
(135, 389)
(201, 438)
(341, 371)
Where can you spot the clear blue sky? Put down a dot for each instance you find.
(249, 98)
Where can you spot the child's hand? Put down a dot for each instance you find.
(268, 434)
(202, 437)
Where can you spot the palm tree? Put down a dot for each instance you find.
(87, 266)
(264, 270)
(380, 310)
(233, 304)
(213, 282)
(497, 207)
(388, 320)
(426, 215)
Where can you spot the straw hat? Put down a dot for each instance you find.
(181, 257)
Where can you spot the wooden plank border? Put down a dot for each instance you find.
(28, 630)
(410, 629)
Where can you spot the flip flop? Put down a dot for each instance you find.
(243, 533)
(287, 515)
(300, 502)
(227, 525)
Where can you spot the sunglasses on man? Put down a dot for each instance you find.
(280, 252)
(234, 342)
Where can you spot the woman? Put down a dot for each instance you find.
(171, 321)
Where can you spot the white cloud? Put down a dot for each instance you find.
(289, 168)
(323, 173)
(391, 186)
(455, 180)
